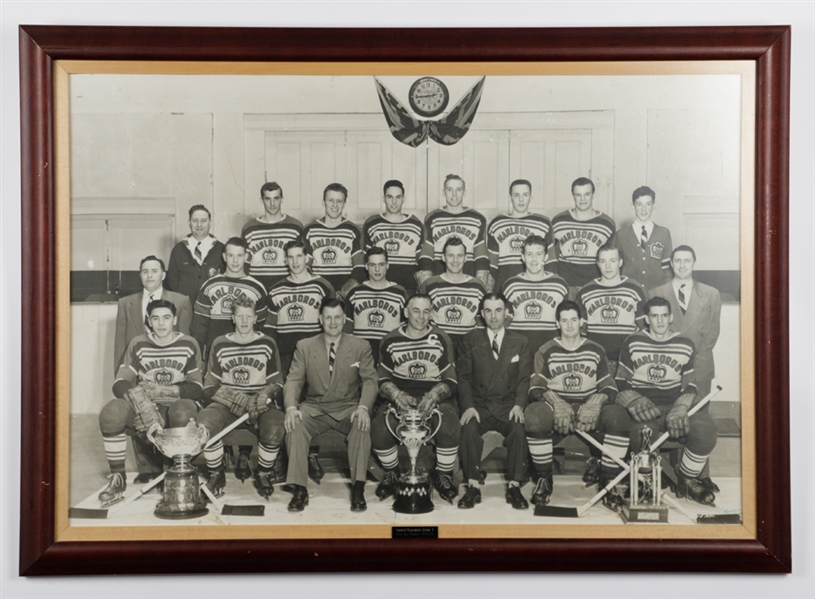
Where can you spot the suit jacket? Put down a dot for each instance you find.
(354, 382)
(700, 323)
(130, 320)
(493, 385)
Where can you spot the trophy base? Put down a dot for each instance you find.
(181, 498)
(413, 496)
(174, 514)
(643, 513)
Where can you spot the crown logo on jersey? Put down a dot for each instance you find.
(329, 256)
(453, 315)
(392, 247)
(295, 312)
(417, 370)
(580, 248)
(376, 319)
(533, 310)
(610, 314)
(269, 256)
(226, 304)
(240, 376)
(657, 249)
(656, 373)
(164, 377)
(516, 244)
(572, 382)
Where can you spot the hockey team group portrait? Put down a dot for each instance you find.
(401, 300)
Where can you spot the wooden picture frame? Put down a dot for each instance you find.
(769, 47)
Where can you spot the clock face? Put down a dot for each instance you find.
(428, 96)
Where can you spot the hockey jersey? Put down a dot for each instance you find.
(294, 310)
(249, 367)
(402, 241)
(470, 226)
(533, 306)
(505, 239)
(336, 252)
(267, 260)
(455, 305)
(415, 366)
(575, 246)
(374, 313)
(612, 313)
(172, 364)
(659, 370)
(574, 374)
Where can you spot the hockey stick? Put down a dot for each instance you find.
(570, 512)
(103, 513)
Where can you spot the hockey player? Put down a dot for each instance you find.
(656, 379)
(335, 243)
(400, 235)
(455, 296)
(376, 307)
(645, 248)
(507, 233)
(196, 258)
(534, 295)
(416, 371)
(454, 219)
(266, 235)
(612, 304)
(578, 233)
(571, 389)
(156, 386)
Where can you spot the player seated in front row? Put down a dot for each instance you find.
(571, 388)
(657, 387)
(243, 375)
(156, 386)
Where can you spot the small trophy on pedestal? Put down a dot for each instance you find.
(182, 497)
(645, 503)
(413, 431)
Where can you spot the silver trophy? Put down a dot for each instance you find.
(182, 497)
(645, 503)
(413, 431)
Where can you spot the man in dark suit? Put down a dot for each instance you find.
(131, 316)
(696, 309)
(342, 387)
(494, 367)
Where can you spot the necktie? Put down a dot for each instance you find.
(683, 303)
(495, 349)
(643, 237)
(146, 315)
(198, 255)
(332, 355)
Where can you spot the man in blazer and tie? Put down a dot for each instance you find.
(696, 309)
(494, 367)
(131, 316)
(342, 388)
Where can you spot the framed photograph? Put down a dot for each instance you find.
(139, 141)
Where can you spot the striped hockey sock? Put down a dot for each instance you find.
(214, 455)
(691, 464)
(616, 446)
(446, 458)
(115, 451)
(267, 454)
(541, 452)
(389, 458)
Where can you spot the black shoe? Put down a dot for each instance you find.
(614, 499)
(358, 497)
(315, 471)
(443, 482)
(710, 485)
(515, 499)
(543, 490)
(387, 486)
(114, 492)
(591, 476)
(471, 498)
(216, 481)
(142, 478)
(243, 469)
(693, 488)
(264, 483)
(300, 500)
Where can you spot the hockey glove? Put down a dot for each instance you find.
(642, 409)
(233, 400)
(589, 413)
(256, 406)
(563, 413)
(677, 421)
(147, 414)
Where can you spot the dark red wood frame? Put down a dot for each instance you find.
(768, 46)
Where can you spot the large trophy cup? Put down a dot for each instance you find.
(645, 504)
(413, 431)
(182, 496)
